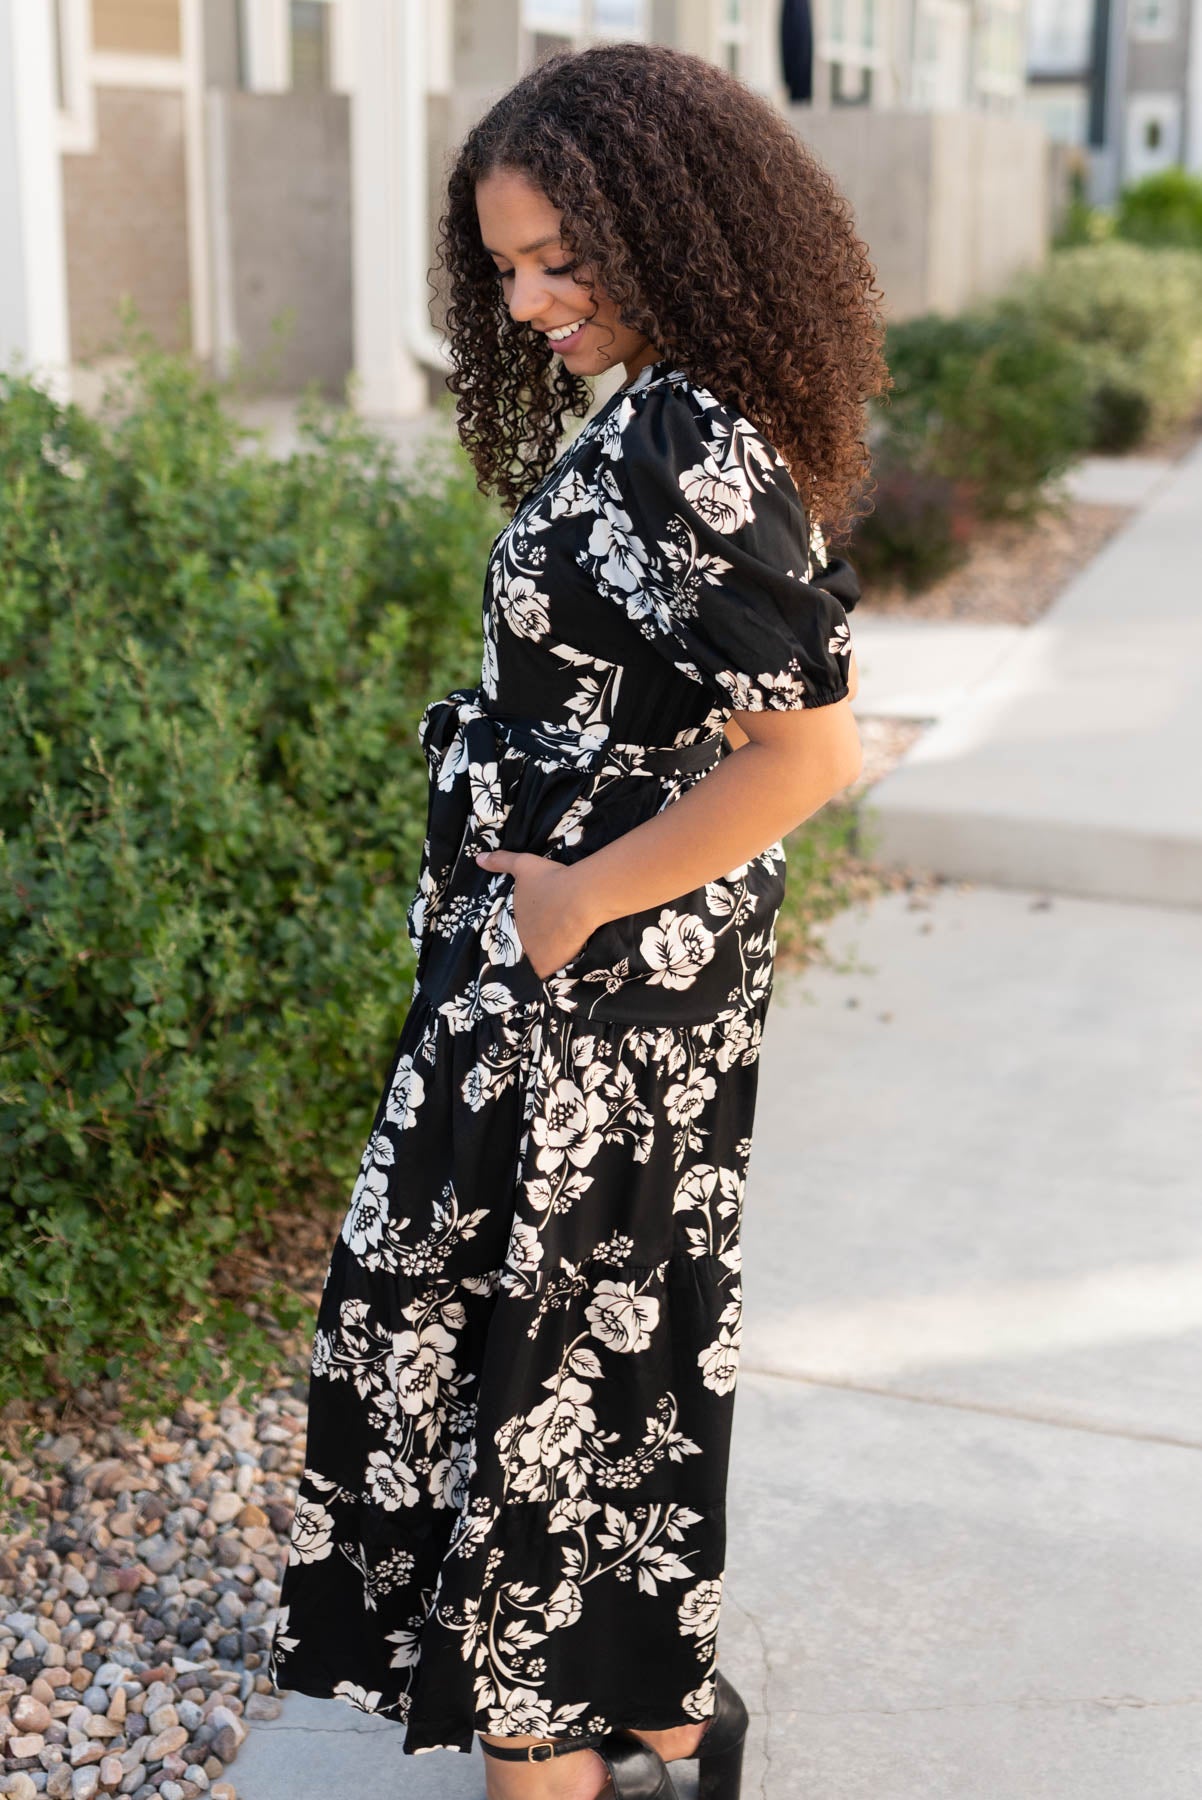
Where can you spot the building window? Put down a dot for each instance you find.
(1060, 37)
(548, 43)
(732, 36)
(1153, 19)
(571, 24)
(309, 31)
(853, 47)
(1153, 134)
(76, 101)
(939, 77)
(618, 18)
(999, 72)
(851, 85)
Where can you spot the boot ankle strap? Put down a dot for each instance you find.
(542, 1751)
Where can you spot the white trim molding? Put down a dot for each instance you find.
(267, 46)
(33, 295)
(196, 176)
(116, 68)
(1193, 122)
(77, 106)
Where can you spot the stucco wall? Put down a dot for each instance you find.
(951, 204)
(125, 213)
(287, 201)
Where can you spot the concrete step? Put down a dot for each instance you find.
(923, 668)
(1075, 765)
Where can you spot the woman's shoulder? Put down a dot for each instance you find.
(667, 412)
(667, 430)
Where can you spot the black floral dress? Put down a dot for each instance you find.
(511, 1517)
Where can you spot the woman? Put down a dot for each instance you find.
(511, 1520)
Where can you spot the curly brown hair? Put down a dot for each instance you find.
(713, 230)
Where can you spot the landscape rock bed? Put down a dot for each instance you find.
(1013, 572)
(139, 1582)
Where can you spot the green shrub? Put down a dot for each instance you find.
(1135, 314)
(212, 805)
(1082, 223)
(997, 402)
(1162, 210)
(919, 528)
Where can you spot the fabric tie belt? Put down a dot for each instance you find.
(507, 782)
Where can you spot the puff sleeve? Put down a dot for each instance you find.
(702, 537)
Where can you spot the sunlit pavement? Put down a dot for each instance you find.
(1074, 764)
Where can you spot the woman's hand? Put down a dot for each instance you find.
(553, 925)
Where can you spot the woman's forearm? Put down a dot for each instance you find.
(755, 795)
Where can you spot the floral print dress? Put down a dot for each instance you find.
(511, 1517)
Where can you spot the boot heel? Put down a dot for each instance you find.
(720, 1774)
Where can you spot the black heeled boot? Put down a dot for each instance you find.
(637, 1771)
(720, 1752)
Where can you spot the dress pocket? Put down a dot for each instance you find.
(566, 969)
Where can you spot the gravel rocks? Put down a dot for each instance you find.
(1013, 572)
(139, 1583)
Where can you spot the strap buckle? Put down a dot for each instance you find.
(547, 1748)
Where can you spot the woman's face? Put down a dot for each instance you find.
(519, 228)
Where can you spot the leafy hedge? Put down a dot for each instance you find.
(1163, 210)
(1135, 315)
(212, 804)
(1099, 350)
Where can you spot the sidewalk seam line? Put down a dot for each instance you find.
(978, 1406)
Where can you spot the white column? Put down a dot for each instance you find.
(266, 46)
(33, 292)
(393, 333)
(1193, 92)
(200, 275)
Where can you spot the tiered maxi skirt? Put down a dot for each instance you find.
(512, 1512)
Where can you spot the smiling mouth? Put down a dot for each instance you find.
(559, 335)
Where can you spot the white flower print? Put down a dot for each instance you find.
(721, 496)
(698, 1611)
(498, 933)
(521, 1713)
(621, 1317)
(699, 1702)
(405, 1653)
(418, 1362)
(358, 1696)
(389, 1481)
(449, 1477)
(568, 1130)
(525, 1250)
(312, 1534)
(524, 607)
(405, 1096)
(613, 540)
(364, 1224)
(677, 948)
(558, 1425)
(687, 1100)
(571, 1512)
(280, 1640)
(564, 1607)
(719, 1363)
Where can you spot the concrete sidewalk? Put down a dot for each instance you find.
(1075, 765)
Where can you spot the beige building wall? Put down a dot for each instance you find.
(951, 205)
(125, 211)
(137, 27)
(282, 176)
